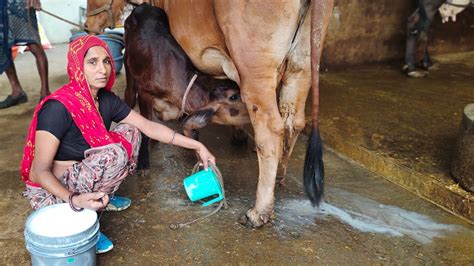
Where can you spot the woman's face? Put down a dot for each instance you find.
(97, 67)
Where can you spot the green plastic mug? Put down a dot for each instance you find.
(201, 185)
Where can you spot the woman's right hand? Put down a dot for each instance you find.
(206, 156)
(93, 200)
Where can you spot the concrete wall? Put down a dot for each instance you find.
(56, 30)
(364, 31)
(360, 31)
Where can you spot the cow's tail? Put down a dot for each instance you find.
(314, 168)
(321, 11)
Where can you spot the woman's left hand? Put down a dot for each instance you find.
(206, 156)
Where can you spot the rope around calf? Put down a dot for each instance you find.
(223, 203)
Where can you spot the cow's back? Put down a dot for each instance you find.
(144, 29)
(149, 46)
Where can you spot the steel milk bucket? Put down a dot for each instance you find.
(57, 235)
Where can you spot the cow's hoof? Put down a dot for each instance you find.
(281, 182)
(407, 69)
(417, 74)
(143, 172)
(433, 67)
(426, 65)
(252, 219)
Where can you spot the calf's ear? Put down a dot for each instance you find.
(198, 119)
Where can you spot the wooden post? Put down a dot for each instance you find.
(462, 164)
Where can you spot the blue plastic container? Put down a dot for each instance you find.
(203, 184)
(114, 41)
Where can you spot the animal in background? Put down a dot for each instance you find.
(418, 25)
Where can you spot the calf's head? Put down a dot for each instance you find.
(225, 107)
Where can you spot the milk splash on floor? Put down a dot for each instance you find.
(365, 215)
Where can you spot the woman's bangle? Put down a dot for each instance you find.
(172, 138)
(75, 193)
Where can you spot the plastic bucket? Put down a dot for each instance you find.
(56, 235)
(114, 41)
(201, 185)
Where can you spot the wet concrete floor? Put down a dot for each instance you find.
(402, 128)
(365, 220)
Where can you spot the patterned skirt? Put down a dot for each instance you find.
(17, 25)
(103, 169)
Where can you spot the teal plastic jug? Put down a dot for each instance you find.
(203, 184)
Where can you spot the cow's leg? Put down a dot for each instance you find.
(426, 63)
(296, 83)
(145, 102)
(292, 106)
(413, 32)
(431, 7)
(258, 45)
(268, 127)
(419, 22)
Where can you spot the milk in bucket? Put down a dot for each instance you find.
(57, 235)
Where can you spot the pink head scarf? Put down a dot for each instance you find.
(77, 99)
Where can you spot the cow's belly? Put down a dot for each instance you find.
(195, 27)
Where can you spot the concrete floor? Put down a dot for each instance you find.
(365, 220)
(404, 129)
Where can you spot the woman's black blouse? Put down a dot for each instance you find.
(56, 119)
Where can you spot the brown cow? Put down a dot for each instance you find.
(263, 45)
(160, 74)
